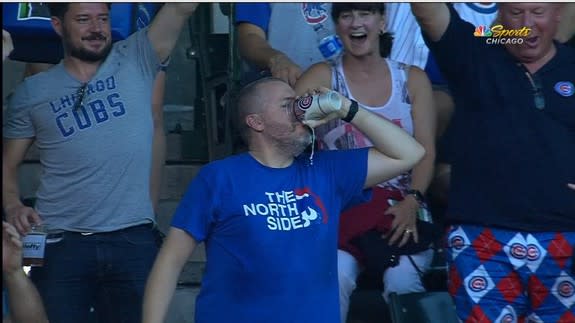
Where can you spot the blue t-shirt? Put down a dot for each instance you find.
(511, 162)
(5, 306)
(271, 236)
(255, 13)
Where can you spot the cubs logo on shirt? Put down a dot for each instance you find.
(314, 12)
(564, 88)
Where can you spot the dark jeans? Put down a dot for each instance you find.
(103, 271)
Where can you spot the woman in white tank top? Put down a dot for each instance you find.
(401, 94)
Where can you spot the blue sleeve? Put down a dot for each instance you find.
(254, 13)
(195, 213)
(458, 52)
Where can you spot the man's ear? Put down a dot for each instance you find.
(57, 25)
(255, 122)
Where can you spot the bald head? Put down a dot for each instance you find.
(542, 20)
(252, 98)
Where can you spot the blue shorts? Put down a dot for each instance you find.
(499, 275)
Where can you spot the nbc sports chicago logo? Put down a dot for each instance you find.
(499, 35)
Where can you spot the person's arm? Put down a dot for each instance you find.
(35, 68)
(255, 49)
(19, 215)
(566, 28)
(159, 140)
(318, 75)
(163, 278)
(424, 125)
(165, 29)
(571, 186)
(7, 45)
(394, 151)
(432, 17)
(23, 298)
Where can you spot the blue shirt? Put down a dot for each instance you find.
(255, 13)
(511, 162)
(271, 236)
(5, 306)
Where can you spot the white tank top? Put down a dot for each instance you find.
(338, 134)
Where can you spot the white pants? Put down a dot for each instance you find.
(400, 279)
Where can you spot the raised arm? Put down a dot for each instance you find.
(7, 45)
(394, 151)
(566, 28)
(163, 278)
(256, 50)
(166, 27)
(432, 17)
(251, 21)
(159, 139)
(17, 214)
(318, 75)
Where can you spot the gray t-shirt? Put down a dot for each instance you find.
(96, 160)
(290, 30)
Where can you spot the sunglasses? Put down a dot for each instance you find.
(80, 94)
(537, 88)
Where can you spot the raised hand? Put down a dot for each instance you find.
(284, 68)
(7, 45)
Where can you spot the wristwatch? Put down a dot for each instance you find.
(416, 194)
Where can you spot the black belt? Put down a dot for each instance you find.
(60, 235)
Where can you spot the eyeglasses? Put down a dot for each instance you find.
(538, 97)
(80, 96)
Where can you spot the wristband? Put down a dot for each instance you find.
(352, 111)
(417, 195)
(164, 64)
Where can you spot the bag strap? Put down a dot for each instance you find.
(419, 271)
